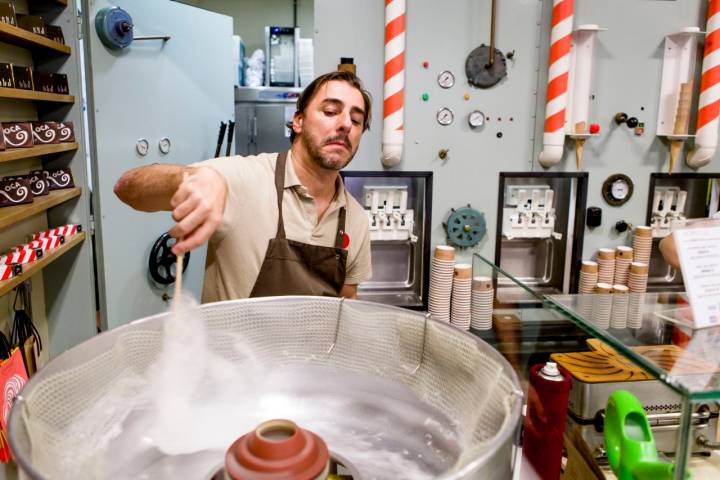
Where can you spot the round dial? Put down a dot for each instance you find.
(446, 79)
(476, 119)
(445, 116)
(617, 189)
(142, 146)
(164, 145)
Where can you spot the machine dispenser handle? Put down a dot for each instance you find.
(656, 201)
(390, 202)
(535, 199)
(375, 202)
(667, 203)
(681, 199)
(549, 199)
(403, 201)
(522, 199)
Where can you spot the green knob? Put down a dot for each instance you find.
(425, 97)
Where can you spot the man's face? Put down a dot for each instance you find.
(332, 124)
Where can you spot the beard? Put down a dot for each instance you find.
(328, 161)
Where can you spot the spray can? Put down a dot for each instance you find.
(545, 419)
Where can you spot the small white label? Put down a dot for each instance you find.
(699, 252)
(289, 113)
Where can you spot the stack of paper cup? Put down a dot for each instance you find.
(602, 306)
(642, 244)
(623, 259)
(637, 282)
(618, 318)
(588, 281)
(482, 303)
(606, 265)
(441, 278)
(638, 277)
(588, 277)
(461, 296)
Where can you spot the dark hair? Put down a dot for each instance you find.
(342, 76)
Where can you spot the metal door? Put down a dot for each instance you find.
(272, 134)
(261, 127)
(179, 89)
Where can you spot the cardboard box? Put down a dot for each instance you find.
(18, 135)
(60, 83)
(58, 178)
(23, 77)
(15, 192)
(43, 82)
(66, 132)
(6, 76)
(7, 13)
(45, 133)
(55, 33)
(31, 23)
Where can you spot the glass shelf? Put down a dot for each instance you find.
(658, 335)
(673, 367)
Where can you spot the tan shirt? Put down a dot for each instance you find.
(237, 249)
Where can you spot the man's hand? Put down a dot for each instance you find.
(198, 206)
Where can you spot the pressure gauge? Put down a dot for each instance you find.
(476, 119)
(446, 79)
(445, 116)
(142, 146)
(164, 145)
(617, 189)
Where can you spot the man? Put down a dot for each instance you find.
(277, 224)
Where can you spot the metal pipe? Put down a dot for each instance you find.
(491, 58)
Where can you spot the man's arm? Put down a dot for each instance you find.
(196, 197)
(668, 248)
(349, 291)
(150, 188)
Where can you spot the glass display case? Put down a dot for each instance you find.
(642, 343)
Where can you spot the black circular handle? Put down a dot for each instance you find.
(621, 226)
(632, 122)
(162, 259)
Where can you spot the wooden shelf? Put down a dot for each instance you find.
(18, 153)
(22, 38)
(33, 95)
(32, 268)
(11, 215)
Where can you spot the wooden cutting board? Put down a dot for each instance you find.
(603, 364)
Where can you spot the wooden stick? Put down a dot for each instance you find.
(579, 144)
(179, 260)
(682, 118)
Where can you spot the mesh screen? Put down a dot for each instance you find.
(460, 375)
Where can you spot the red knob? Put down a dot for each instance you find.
(277, 450)
(594, 128)
(426, 64)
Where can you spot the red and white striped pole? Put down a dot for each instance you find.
(557, 89)
(706, 134)
(394, 89)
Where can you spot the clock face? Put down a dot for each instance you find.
(617, 189)
(476, 119)
(446, 79)
(620, 189)
(445, 116)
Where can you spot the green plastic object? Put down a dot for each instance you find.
(629, 441)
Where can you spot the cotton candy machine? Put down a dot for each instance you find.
(392, 393)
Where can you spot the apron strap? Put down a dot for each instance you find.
(341, 229)
(280, 188)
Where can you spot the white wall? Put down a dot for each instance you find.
(251, 16)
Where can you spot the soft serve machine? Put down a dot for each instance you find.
(398, 206)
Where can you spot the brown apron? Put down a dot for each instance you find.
(295, 268)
